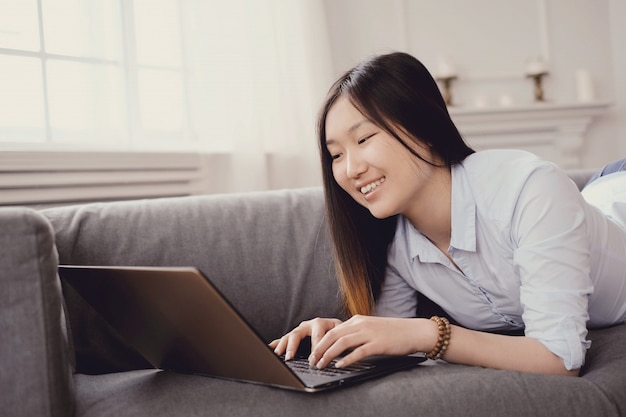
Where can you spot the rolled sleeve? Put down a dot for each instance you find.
(571, 350)
(563, 335)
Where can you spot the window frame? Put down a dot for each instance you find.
(135, 136)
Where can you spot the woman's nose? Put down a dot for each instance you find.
(355, 166)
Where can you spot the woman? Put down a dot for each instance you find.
(501, 240)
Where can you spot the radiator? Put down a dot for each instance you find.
(45, 179)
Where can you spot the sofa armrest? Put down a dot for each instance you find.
(35, 367)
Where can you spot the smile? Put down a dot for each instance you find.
(372, 186)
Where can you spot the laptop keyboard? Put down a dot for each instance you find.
(302, 366)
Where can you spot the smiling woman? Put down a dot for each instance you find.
(501, 240)
(397, 97)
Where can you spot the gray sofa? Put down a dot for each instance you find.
(269, 254)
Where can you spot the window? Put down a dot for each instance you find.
(108, 99)
(92, 74)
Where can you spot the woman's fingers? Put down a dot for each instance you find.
(292, 345)
(316, 328)
(319, 328)
(339, 344)
(279, 345)
(354, 356)
(364, 336)
(288, 344)
(335, 342)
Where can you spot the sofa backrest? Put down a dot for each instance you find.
(268, 253)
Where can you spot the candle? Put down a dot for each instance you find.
(480, 101)
(506, 100)
(584, 86)
(445, 69)
(536, 66)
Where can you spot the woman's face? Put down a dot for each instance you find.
(374, 168)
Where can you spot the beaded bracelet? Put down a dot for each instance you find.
(443, 326)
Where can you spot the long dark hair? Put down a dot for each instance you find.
(394, 91)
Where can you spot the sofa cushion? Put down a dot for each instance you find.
(430, 390)
(35, 370)
(433, 389)
(605, 364)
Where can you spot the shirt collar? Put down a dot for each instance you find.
(418, 246)
(463, 211)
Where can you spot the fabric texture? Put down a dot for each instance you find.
(35, 368)
(606, 364)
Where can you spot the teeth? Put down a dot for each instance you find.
(370, 187)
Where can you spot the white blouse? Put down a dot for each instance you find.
(530, 254)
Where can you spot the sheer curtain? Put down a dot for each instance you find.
(256, 73)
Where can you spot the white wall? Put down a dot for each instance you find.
(490, 42)
(617, 9)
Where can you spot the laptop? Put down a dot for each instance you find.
(179, 321)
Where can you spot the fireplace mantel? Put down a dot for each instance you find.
(555, 131)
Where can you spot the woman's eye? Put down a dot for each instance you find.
(335, 156)
(365, 139)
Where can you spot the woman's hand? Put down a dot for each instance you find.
(366, 336)
(362, 336)
(316, 328)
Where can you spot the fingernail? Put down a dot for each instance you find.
(339, 364)
(312, 360)
(289, 355)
